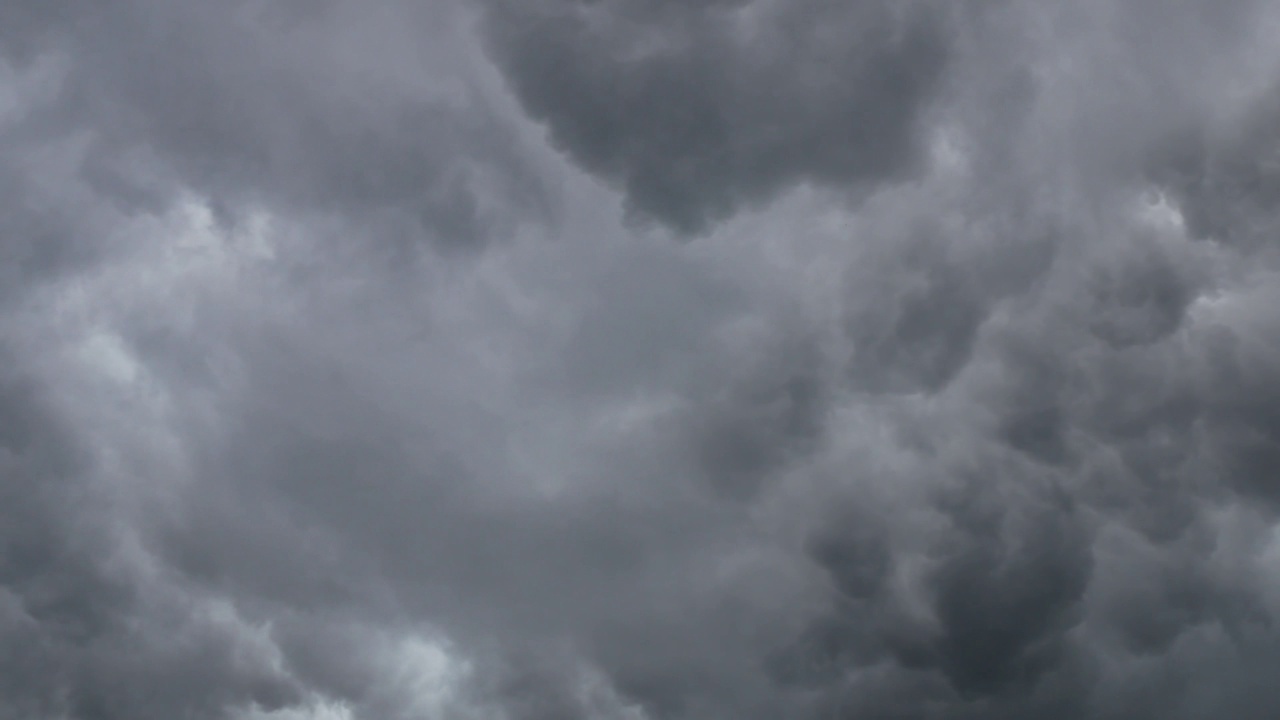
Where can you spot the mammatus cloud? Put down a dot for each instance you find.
(696, 109)
(343, 374)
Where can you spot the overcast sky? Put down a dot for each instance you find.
(639, 359)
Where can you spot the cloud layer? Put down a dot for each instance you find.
(633, 360)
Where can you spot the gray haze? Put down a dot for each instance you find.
(639, 359)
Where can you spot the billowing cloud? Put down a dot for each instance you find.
(696, 109)
(349, 370)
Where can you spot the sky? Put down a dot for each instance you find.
(639, 359)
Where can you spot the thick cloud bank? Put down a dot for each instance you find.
(639, 360)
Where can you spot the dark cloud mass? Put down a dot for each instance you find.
(578, 359)
(695, 109)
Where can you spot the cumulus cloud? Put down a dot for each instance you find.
(638, 360)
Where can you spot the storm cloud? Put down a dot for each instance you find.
(694, 109)
(659, 360)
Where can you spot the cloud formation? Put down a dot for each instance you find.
(642, 360)
(695, 109)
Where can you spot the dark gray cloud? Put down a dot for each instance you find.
(961, 406)
(1225, 179)
(696, 109)
(81, 638)
(253, 103)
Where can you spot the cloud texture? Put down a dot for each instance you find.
(639, 360)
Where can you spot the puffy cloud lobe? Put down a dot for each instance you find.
(695, 110)
(251, 104)
(74, 646)
(1226, 186)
